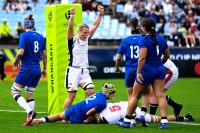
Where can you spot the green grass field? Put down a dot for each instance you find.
(184, 91)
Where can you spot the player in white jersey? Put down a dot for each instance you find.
(77, 73)
(171, 77)
(117, 111)
(171, 74)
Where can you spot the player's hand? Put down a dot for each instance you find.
(44, 73)
(16, 64)
(140, 78)
(117, 70)
(90, 120)
(86, 121)
(72, 10)
(101, 9)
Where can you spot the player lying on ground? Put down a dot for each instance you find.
(79, 112)
(117, 111)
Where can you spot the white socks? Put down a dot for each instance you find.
(22, 102)
(31, 104)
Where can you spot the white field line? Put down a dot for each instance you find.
(182, 123)
(14, 111)
(186, 123)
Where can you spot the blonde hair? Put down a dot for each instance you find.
(80, 27)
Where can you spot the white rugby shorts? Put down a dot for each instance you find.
(76, 76)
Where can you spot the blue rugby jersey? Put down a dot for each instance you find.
(96, 101)
(154, 52)
(130, 48)
(33, 44)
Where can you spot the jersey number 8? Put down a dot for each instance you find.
(36, 46)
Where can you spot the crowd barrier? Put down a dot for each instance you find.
(102, 63)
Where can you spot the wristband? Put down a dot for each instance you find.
(71, 15)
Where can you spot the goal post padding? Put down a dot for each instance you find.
(57, 17)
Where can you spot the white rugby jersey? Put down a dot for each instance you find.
(171, 66)
(78, 52)
(115, 111)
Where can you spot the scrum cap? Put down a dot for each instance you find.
(107, 89)
(29, 22)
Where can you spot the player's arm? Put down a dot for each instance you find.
(90, 120)
(91, 112)
(117, 63)
(141, 61)
(44, 59)
(18, 57)
(95, 120)
(70, 32)
(165, 56)
(97, 21)
(101, 120)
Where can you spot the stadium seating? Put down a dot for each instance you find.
(110, 27)
(120, 8)
(105, 2)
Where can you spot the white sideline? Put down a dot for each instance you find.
(14, 111)
(182, 123)
(186, 123)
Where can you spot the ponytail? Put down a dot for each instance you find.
(150, 26)
(152, 31)
(134, 26)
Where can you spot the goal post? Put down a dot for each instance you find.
(57, 17)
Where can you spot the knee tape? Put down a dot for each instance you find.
(29, 89)
(155, 118)
(88, 86)
(72, 89)
(16, 89)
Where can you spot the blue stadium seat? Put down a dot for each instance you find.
(106, 18)
(92, 15)
(105, 34)
(106, 2)
(135, 14)
(106, 22)
(71, 1)
(119, 8)
(158, 25)
(121, 30)
(84, 14)
(128, 31)
(166, 29)
(114, 28)
(114, 23)
(106, 25)
(97, 34)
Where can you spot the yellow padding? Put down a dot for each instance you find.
(9, 54)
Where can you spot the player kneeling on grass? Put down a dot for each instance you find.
(116, 111)
(79, 112)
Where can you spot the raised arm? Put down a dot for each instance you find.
(97, 21)
(70, 32)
